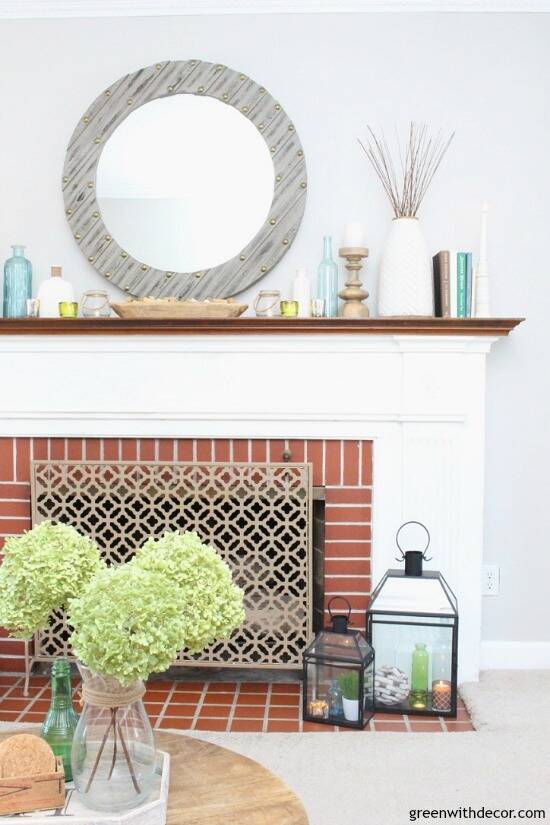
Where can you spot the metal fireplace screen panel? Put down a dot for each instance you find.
(257, 516)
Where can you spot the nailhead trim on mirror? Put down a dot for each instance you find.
(108, 111)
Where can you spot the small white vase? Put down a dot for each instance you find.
(405, 286)
(351, 709)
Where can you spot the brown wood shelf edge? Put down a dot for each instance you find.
(259, 326)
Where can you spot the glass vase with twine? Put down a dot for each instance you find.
(113, 752)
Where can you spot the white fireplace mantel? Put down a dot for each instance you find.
(420, 398)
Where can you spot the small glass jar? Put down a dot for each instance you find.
(289, 309)
(68, 309)
(318, 308)
(95, 304)
(267, 303)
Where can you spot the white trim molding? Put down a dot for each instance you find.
(496, 655)
(419, 398)
(28, 9)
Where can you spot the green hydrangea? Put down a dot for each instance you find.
(42, 569)
(127, 623)
(211, 604)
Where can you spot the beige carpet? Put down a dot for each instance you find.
(506, 700)
(363, 778)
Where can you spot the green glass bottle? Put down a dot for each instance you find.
(61, 720)
(418, 697)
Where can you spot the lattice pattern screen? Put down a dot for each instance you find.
(257, 516)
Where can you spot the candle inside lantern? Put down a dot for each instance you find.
(354, 236)
(441, 695)
(318, 709)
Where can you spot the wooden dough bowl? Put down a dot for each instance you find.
(169, 310)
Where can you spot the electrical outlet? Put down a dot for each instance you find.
(490, 580)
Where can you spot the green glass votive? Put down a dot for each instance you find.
(289, 309)
(68, 309)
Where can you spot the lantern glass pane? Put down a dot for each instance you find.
(351, 647)
(398, 618)
(333, 692)
(368, 692)
(407, 594)
(409, 659)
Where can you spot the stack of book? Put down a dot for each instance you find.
(453, 284)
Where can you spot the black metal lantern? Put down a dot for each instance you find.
(412, 622)
(339, 675)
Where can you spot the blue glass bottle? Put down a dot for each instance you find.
(17, 284)
(327, 280)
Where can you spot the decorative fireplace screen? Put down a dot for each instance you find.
(257, 516)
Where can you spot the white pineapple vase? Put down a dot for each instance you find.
(405, 285)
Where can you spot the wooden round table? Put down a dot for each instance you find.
(210, 785)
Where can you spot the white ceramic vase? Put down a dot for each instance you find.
(405, 286)
(351, 709)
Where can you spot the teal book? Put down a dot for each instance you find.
(469, 277)
(461, 285)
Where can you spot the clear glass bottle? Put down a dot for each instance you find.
(334, 698)
(61, 720)
(327, 280)
(113, 756)
(418, 697)
(17, 284)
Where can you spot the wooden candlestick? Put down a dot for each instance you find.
(354, 294)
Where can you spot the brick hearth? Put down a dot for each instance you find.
(220, 706)
(343, 468)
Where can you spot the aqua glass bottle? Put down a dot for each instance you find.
(61, 720)
(418, 697)
(327, 280)
(17, 284)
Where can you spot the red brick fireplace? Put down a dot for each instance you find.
(342, 467)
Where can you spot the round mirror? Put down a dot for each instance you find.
(184, 183)
(184, 179)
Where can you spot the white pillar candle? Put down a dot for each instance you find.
(354, 235)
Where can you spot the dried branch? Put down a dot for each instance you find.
(419, 160)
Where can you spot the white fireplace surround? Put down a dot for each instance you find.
(420, 398)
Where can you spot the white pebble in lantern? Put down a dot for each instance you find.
(391, 685)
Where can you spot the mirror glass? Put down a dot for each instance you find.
(184, 183)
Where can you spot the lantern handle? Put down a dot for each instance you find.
(427, 544)
(342, 598)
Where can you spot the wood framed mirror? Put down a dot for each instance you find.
(184, 179)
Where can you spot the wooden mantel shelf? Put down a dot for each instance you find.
(260, 326)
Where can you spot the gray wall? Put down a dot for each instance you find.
(484, 75)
